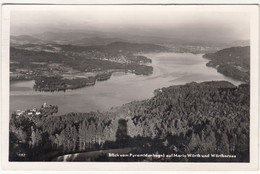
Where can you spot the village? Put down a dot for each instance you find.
(44, 110)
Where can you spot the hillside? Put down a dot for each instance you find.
(196, 118)
(95, 41)
(115, 56)
(24, 39)
(233, 62)
(57, 71)
(53, 66)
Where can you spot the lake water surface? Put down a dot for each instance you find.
(169, 69)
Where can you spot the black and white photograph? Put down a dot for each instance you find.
(131, 83)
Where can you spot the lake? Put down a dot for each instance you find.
(169, 69)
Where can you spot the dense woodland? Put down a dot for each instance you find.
(57, 83)
(198, 118)
(233, 62)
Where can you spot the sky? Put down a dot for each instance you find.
(211, 22)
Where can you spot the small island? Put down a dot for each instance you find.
(57, 83)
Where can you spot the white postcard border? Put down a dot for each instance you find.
(253, 10)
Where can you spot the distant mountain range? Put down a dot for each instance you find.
(24, 39)
(86, 38)
(95, 41)
(114, 48)
(50, 37)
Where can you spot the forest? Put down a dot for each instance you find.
(233, 62)
(198, 118)
(57, 83)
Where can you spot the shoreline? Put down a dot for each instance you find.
(78, 91)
